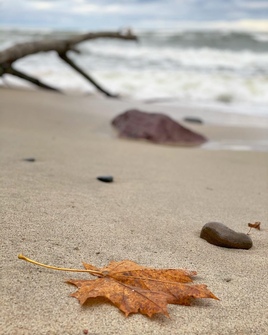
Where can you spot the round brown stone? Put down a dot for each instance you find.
(218, 234)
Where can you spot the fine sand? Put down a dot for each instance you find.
(55, 211)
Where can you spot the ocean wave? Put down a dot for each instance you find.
(219, 39)
(205, 59)
(148, 70)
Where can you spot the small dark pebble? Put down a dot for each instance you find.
(218, 234)
(227, 280)
(30, 159)
(192, 119)
(106, 179)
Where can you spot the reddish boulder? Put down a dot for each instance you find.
(155, 127)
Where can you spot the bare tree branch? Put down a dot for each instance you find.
(20, 50)
(90, 79)
(32, 80)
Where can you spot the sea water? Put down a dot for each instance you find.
(220, 69)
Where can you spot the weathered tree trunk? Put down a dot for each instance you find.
(20, 50)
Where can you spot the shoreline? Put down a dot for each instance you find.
(225, 131)
(212, 114)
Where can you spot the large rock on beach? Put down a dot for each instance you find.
(155, 127)
(218, 234)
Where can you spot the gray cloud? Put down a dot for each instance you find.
(137, 13)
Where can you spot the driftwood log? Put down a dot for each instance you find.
(20, 50)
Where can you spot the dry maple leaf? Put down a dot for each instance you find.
(256, 225)
(134, 288)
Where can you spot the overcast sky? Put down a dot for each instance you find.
(149, 14)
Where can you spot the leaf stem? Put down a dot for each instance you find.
(20, 256)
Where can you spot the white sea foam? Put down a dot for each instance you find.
(260, 37)
(175, 58)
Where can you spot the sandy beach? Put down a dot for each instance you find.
(55, 211)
